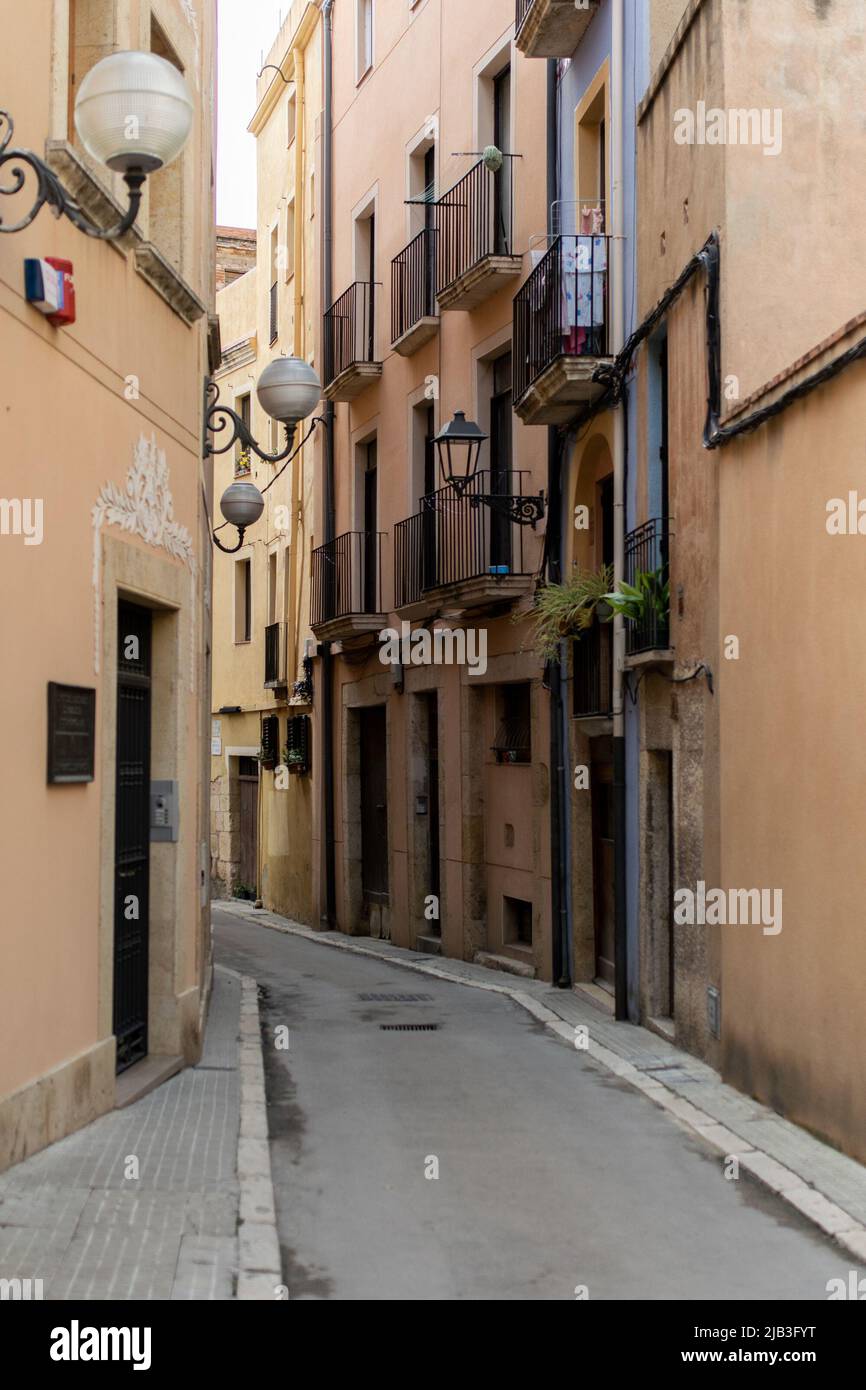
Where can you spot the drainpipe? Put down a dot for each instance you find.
(618, 331)
(330, 914)
(293, 615)
(559, 857)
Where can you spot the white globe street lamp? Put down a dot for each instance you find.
(133, 113)
(288, 391)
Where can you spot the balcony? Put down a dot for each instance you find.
(561, 331)
(350, 343)
(347, 588)
(460, 554)
(414, 314)
(552, 28)
(592, 676)
(647, 552)
(474, 237)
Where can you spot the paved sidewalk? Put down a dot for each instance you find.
(825, 1186)
(71, 1216)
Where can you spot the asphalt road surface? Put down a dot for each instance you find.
(551, 1174)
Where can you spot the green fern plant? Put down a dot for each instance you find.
(566, 610)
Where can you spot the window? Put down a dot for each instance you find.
(165, 187)
(501, 476)
(272, 587)
(298, 744)
(243, 600)
(290, 240)
(370, 584)
(273, 306)
(291, 118)
(92, 36)
(516, 922)
(513, 742)
(592, 156)
(364, 50)
(242, 455)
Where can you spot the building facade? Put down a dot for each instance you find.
(433, 730)
(261, 768)
(688, 396)
(770, 327)
(106, 938)
(235, 254)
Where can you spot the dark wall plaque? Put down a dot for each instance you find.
(71, 732)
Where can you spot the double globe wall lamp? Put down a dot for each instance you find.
(133, 113)
(288, 391)
(459, 448)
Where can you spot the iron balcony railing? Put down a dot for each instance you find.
(453, 538)
(474, 219)
(562, 309)
(347, 577)
(413, 283)
(275, 655)
(350, 329)
(647, 552)
(274, 319)
(592, 673)
(523, 8)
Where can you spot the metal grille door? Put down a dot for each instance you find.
(132, 834)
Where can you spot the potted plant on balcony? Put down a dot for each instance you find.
(566, 610)
(242, 464)
(648, 597)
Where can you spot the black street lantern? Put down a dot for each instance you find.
(459, 448)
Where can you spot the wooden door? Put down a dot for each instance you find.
(374, 805)
(132, 834)
(603, 900)
(248, 778)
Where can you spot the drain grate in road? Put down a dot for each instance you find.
(409, 1027)
(396, 998)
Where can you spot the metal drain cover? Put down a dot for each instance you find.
(396, 998)
(409, 1027)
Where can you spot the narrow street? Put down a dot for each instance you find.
(551, 1174)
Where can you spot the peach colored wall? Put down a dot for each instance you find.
(781, 762)
(441, 44)
(67, 426)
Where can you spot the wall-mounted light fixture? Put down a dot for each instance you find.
(133, 113)
(288, 391)
(459, 448)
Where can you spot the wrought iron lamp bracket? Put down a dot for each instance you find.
(230, 549)
(219, 417)
(50, 191)
(523, 511)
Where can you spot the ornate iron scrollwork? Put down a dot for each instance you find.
(220, 417)
(523, 511)
(49, 190)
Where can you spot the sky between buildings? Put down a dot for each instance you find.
(247, 28)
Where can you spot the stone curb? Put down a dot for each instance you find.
(804, 1197)
(259, 1266)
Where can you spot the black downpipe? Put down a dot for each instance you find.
(559, 781)
(620, 862)
(330, 915)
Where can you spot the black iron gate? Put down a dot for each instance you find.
(132, 834)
